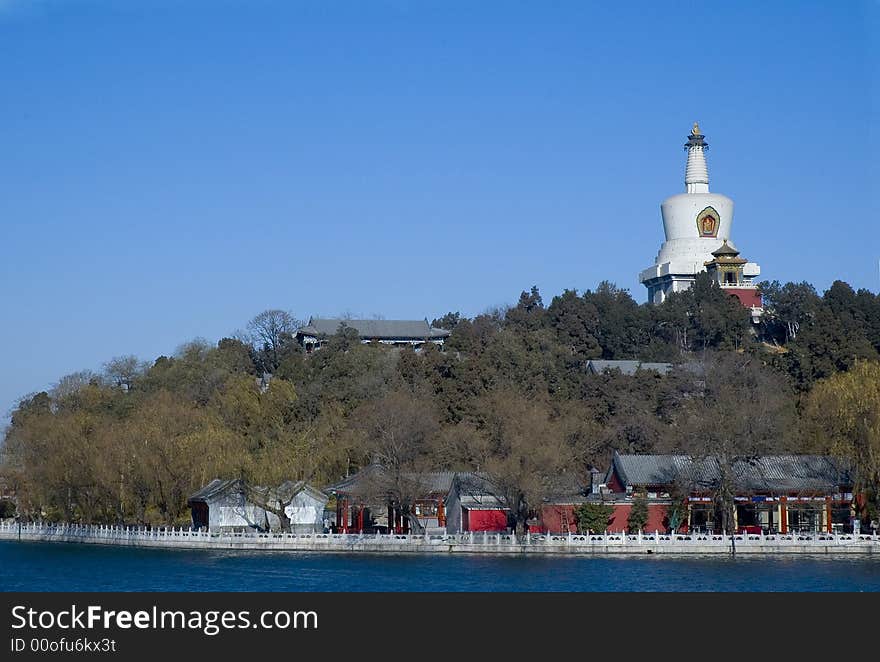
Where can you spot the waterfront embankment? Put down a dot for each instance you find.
(464, 543)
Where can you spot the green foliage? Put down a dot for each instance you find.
(701, 318)
(676, 515)
(786, 308)
(509, 394)
(449, 321)
(821, 336)
(593, 517)
(638, 514)
(677, 510)
(574, 321)
(7, 508)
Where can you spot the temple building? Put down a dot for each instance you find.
(771, 494)
(441, 501)
(726, 269)
(396, 333)
(697, 225)
(233, 504)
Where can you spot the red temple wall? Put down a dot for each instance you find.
(749, 297)
(485, 520)
(656, 517)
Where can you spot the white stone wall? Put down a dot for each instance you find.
(232, 511)
(236, 515)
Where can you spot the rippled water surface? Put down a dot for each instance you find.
(69, 567)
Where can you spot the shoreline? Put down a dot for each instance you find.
(611, 544)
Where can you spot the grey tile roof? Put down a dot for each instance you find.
(356, 482)
(473, 487)
(219, 486)
(437, 482)
(772, 473)
(597, 366)
(365, 480)
(472, 483)
(216, 487)
(726, 249)
(379, 329)
(290, 487)
(481, 502)
(626, 367)
(570, 486)
(662, 368)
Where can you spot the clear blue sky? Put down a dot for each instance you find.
(170, 169)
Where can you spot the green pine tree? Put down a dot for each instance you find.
(638, 514)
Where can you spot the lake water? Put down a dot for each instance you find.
(70, 567)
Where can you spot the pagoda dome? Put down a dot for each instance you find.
(695, 222)
(697, 225)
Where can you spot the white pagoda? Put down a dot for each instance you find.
(697, 225)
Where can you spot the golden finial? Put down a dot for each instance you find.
(696, 130)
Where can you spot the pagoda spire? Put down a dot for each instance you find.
(696, 173)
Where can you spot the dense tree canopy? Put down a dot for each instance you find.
(508, 395)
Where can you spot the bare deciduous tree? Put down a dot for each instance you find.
(740, 412)
(522, 452)
(269, 331)
(399, 433)
(122, 371)
(70, 384)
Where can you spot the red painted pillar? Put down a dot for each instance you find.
(361, 518)
(828, 513)
(345, 515)
(441, 513)
(783, 515)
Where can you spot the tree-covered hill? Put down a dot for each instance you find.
(509, 394)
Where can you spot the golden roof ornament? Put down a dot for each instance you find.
(696, 139)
